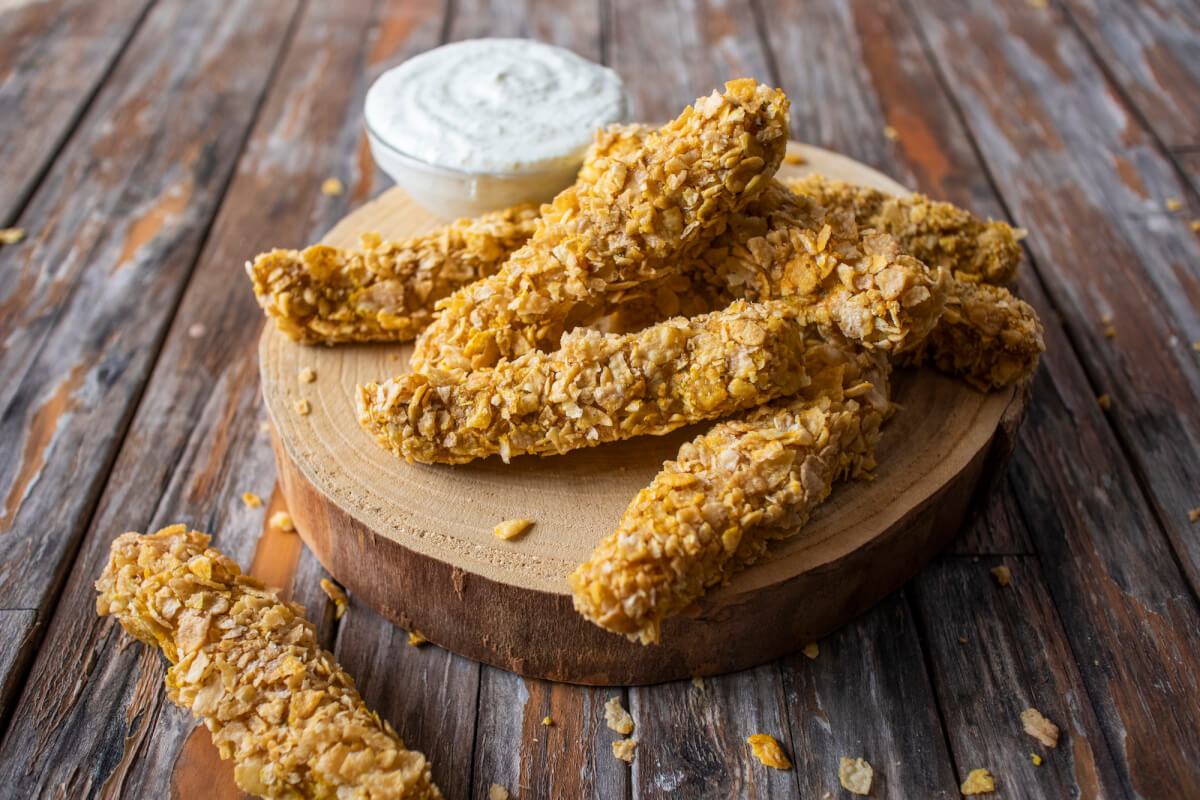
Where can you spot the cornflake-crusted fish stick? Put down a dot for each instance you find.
(939, 234)
(385, 291)
(249, 665)
(731, 491)
(643, 209)
(595, 388)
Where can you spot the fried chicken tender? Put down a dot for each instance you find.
(939, 234)
(640, 208)
(732, 490)
(595, 388)
(385, 291)
(248, 663)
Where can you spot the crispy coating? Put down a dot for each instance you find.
(632, 216)
(248, 663)
(732, 490)
(939, 234)
(384, 291)
(595, 388)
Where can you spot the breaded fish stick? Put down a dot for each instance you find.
(595, 388)
(248, 663)
(939, 234)
(385, 291)
(646, 207)
(731, 491)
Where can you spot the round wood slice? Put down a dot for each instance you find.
(415, 542)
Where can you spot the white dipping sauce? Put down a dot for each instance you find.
(495, 106)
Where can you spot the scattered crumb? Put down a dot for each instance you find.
(1039, 727)
(416, 639)
(1104, 401)
(264, 427)
(547, 722)
(812, 650)
(1110, 332)
(302, 407)
(1174, 204)
(793, 158)
(891, 132)
(497, 792)
(1196, 345)
(197, 330)
(827, 795)
(251, 500)
(1106, 319)
(1193, 514)
(764, 747)
(512, 528)
(962, 640)
(698, 682)
(283, 521)
(1036, 759)
(1002, 574)
(856, 775)
(617, 718)
(307, 375)
(1037, 3)
(978, 782)
(332, 187)
(11, 235)
(1195, 225)
(394, 357)
(337, 595)
(624, 749)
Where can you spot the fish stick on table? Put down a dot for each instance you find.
(384, 291)
(248, 664)
(644, 208)
(595, 388)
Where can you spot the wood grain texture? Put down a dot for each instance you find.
(53, 56)
(114, 232)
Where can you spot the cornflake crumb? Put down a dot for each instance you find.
(283, 521)
(11, 235)
(497, 792)
(962, 640)
(1195, 226)
(1106, 319)
(337, 595)
(624, 749)
(1037, 3)
(1193, 514)
(251, 500)
(1196, 345)
(793, 158)
(302, 407)
(978, 782)
(891, 132)
(547, 722)
(856, 775)
(764, 747)
(1036, 759)
(512, 528)
(1002, 574)
(1110, 332)
(416, 638)
(332, 187)
(1104, 401)
(1039, 727)
(264, 427)
(1174, 204)
(698, 682)
(197, 330)
(812, 650)
(307, 375)
(617, 718)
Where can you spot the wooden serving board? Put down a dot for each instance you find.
(415, 542)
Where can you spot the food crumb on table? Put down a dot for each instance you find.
(512, 528)
(1174, 204)
(698, 682)
(794, 159)
(617, 718)
(1104, 401)
(497, 792)
(764, 747)
(307, 375)
(1193, 514)
(856, 775)
(547, 722)
(11, 235)
(283, 521)
(302, 407)
(1002, 574)
(624, 749)
(337, 595)
(251, 500)
(1195, 226)
(1110, 332)
(332, 187)
(416, 638)
(979, 781)
(1039, 727)
(1036, 759)
(891, 132)
(812, 650)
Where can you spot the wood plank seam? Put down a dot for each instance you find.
(25, 659)
(1124, 445)
(927, 662)
(760, 27)
(789, 716)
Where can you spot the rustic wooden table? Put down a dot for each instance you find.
(148, 147)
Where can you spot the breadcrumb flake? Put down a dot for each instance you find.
(302, 406)
(1002, 574)
(251, 500)
(794, 159)
(416, 638)
(617, 718)
(698, 682)
(547, 722)
(497, 792)
(625, 749)
(1039, 727)
(812, 650)
(856, 775)
(283, 521)
(1193, 514)
(978, 782)
(1104, 401)
(332, 187)
(307, 375)
(337, 595)
(11, 235)
(891, 133)
(1036, 759)
(512, 528)
(764, 747)
(1174, 204)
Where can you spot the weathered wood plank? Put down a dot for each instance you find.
(997, 651)
(114, 231)
(1152, 50)
(16, 626)
(575, 25)
(194, 444)
(53, 56)
(866, 695)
